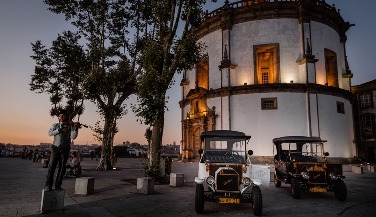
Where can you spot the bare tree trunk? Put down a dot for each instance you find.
(109, 131)
(156, 143)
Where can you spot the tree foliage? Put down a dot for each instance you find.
(105, 30)
(59, 71)
(133, 43)
(169, 47)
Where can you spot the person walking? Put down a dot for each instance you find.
(63, 132)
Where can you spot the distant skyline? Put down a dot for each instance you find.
(25, 118)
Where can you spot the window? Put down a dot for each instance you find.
(340, 107)
(331, 68)
(366, 101)
(268, 103)
(368, 125)
(266, 58)
(202, 74)
(264, 76)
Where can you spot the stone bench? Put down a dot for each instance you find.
(145, 185)
(357, 169)
(84, 185)
(52, 200)
(177, 179)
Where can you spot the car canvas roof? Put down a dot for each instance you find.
(224, 133)
(297, 139)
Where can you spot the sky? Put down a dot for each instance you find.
(24, 115)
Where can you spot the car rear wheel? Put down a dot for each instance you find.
(340, 190)
(256, 201)
(277, 183)
(295, 188)
(199, 198)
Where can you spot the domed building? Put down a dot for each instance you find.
(272, 68)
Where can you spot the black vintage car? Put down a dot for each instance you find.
(224, 171)
(301, 162)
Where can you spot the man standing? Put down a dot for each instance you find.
(63, 132)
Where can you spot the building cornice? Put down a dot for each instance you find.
(302, 10)
(269, 88)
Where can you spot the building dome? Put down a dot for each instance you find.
(272, 68)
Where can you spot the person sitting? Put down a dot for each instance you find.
(73, 165)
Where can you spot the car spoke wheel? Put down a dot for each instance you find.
(256, 201)
(199, 198)
(340, 190)
(295, 188)
(277, 183)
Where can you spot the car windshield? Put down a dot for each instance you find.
(311, 149)
(225, 150)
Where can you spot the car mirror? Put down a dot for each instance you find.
(200, 151)
(326, 154)
(250, 152)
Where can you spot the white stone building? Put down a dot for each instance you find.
(273, 68)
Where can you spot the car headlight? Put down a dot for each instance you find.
(333, 176)
(304, 175)
(246, 181)
(210, 180)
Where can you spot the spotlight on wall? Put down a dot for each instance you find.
(245, 83)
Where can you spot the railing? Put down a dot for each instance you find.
(251, 3)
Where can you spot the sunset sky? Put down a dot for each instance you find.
(24, 115)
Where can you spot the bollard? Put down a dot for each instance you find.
(145, 185)
(84, 185)
(52, 200)
(177, 179)
(357, 169)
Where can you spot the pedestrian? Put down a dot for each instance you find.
(63, 132)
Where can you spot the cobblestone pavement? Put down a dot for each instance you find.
(22, 181)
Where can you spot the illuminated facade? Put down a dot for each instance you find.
(273, 68)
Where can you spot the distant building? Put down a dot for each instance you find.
(364, 107)
(272, 69)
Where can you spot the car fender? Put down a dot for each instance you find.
(199, 181)
(257, 182)
(246, 189)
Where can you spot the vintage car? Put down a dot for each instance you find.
(224, 171)
(301, 162)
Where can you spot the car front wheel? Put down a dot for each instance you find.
(256, 201)
(295, 188)
(340, 190)
(199, 198)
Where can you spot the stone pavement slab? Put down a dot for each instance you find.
(115, 194)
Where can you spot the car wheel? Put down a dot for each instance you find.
(295, 188)
(340, 190)
(199, 198)
(256, 200)
(277, 183)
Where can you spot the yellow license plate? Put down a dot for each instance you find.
(316, 189)
(228, 200)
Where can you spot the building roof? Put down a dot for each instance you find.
(297, 139)
(224, 134)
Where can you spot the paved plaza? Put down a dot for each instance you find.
(115, 194)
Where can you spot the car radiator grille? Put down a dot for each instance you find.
(227, 182)
(317, 177)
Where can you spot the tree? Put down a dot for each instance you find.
(59, 71)
(104, 27)
(169, 47)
